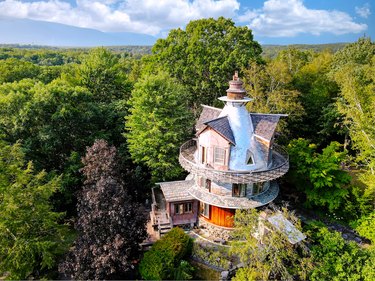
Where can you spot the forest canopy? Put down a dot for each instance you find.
(141, 103)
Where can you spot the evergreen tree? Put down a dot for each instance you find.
(30, 236)
(110, 226)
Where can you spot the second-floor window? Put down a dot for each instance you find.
(239, 189)
(219, 156)
(203, 155)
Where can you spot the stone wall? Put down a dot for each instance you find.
(221, 234)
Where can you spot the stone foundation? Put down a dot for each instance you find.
(214, 232)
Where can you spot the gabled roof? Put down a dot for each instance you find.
(265, 124)
(222, 127)
(208, 113)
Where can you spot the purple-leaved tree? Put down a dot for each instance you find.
(110, 226)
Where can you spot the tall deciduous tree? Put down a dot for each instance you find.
(204, 56)
(268, 85)
(110, 227)
(319, 175)
(30, 236)
(158, 123)
(356, 102)
(318, 92)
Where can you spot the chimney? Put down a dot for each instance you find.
(235, 91)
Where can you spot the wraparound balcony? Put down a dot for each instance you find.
(280, 165)
(259, 200)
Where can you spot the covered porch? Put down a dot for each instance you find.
(172, 205)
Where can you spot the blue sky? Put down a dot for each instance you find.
(272, 21)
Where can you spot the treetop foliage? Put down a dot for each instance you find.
(204, 56)
(31, 236)
(158, 123)
(319, 175)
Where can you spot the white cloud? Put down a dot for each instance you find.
(363, 11)
(288, 18)
(247, 16)
(141, 16)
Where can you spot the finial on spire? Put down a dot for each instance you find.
(235, 91)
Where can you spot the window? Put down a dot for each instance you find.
(180, 209)
(257, 188)
(188, 207)
(250, 159)
(205, 210)
(219, 155)
(239, 189)
(208, 185)
(203, 154)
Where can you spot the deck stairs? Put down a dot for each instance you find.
(159, 216)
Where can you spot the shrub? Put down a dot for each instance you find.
(166, 256)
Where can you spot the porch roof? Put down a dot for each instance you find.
(177, 190)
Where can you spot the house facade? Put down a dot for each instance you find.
(233, 163)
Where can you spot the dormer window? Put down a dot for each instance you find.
(219, 156)
(250, 158)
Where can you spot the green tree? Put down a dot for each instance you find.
(165, 259)
(336, 259)
(268, 85)
(366, 227)
(204, 56)
(360, 52)
(102, 74)
(31, 238)
(294, 58)
(15, 70)
(356, 102)
(271, 256)
(317, 94)
(158, 123)
(55, 123)
(318, 175)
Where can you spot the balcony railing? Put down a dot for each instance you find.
(256, 201)
(280, 165)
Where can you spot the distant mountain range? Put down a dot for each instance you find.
(31, 32)
(25, 33)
